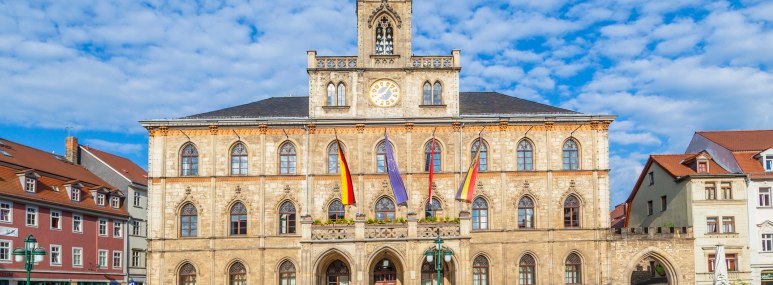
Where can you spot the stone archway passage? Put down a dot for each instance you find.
(385, 272)
(651, 271)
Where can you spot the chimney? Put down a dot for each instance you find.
(71, 149)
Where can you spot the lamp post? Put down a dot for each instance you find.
(30, 254)
(436, 255)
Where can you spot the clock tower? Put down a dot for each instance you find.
(385, 79)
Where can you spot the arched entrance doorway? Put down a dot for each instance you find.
(429, 273)
(333, 268)
(337, 273)
(652, 269)
(385, 273)
(386, 268)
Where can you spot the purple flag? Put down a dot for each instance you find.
(394, 175)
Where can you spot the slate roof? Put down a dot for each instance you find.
(125, 167)
(472, 103)
(741, 140)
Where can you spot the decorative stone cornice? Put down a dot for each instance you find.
(385, 8)
(213, 130)
(360, 128)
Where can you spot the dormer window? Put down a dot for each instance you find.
(30, 184)
(101, 199)
(703, 167)
(115, 202)
(75, 194)
(768, 163)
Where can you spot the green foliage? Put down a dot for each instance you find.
(370, 221)
(316, 222)
(667, 225)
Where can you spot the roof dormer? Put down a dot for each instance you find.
(699, 162)
(29, 180)
(99, 194)
(74, 190)
(766, 158)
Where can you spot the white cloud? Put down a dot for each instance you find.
(114, 147)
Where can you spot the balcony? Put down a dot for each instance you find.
(733, 276)
(361, 230)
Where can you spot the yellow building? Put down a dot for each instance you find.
(251, 194)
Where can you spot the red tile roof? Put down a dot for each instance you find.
(55, 172)
(617, 216)
(672, 163)
(751, 165)
(741, 140)
(122, 165)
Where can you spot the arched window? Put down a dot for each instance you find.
(427, 98)
(479, 214)
(238, 274)
(239, 159)
(525, 156)
(287, 218)
(526, 213)
(189, 161)
(189, 221)
(332, 158)
(384, 38)
(287, 158)
(341, 94)
(384, 272)
(238, 219)
(381, 157)
(436, 159)
(437, 94)
(385, 209)
(331, 95)
(433, 208)
(483, 166)
(335, 211)
(573, 269)
(571, 212)
(187, 274)
(570, 155)
(337, 273)
(287, 273)
(429, 274)
(527, 270)
(480, 271)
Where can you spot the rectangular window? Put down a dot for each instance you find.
(703, 167)
(652, 177)
(77, 257)
(5, 250)
(663, 203)
(32, 216)
(730, 259)
(56, 254)
(75, 194)
(117, 229)
(649, 208)
(77, 223)
(6, 212)
(115, 202)
(137, 199)
(769, 163)
(29, 185)
(767, 242)
(102, 259)
(136, 258)
(101, 199)
(711, 191)
(727, 191)
(102, 228)
(56, 220)
(712, 225)
(764, 197)
(728, 225)
(117, 259)
(136, 228)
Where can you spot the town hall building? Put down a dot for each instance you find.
(251, 194)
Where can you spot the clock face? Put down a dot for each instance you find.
(384, 93)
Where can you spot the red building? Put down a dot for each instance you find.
(75, 216)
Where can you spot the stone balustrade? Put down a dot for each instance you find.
(652, 232)
(361, 231)
(332, 232)
(432, 61)
(336, 62)
(733, 276)
(429, 230)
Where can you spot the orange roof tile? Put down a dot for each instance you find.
(672, 163)
(122, 165)
(751, 165)
(741, 140)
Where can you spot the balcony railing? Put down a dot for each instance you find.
(732, 276)
(426, 230)
(362, 231)
(386, 231)
(332, 232)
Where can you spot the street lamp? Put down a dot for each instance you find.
(30, 254)
(435, 255)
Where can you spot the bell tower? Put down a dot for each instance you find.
(384, 32)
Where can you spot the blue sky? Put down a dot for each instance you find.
(666, 68)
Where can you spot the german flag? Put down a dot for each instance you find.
(468, 185)
(347, 188)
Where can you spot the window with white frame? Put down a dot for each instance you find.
(56, 220)
(32, 216)
(102, 227)
(101, 199)
(117, 229)
(767, 242)
(6, 249)
(29, 185)
(77, 223)
(136, 228)
(75, 194)
(137, 199)
(117, 258)
(136, 258)
(764, 196)
(102, 259)
(77, 256)
(115, 202)
(6, 212)
(769, 163)
(56, 254)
